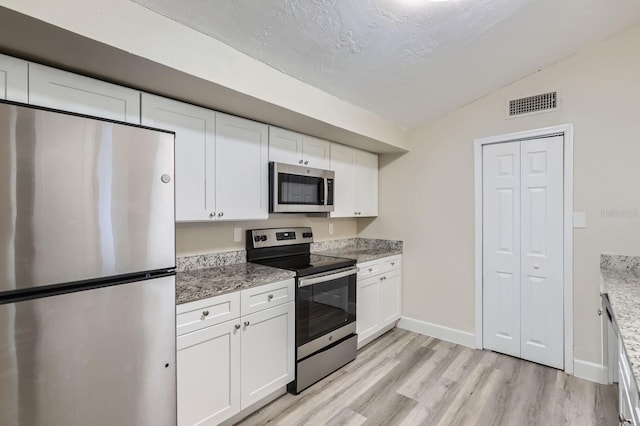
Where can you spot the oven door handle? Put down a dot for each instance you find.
(334, 275)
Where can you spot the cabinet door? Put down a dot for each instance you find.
(194, 153)
(389, 297)
(268, 351)
(316, 152)
(342, 163)
(242, 152)
(367, 307)
(285, 146)
(366, 183)
(66, 91)
(13, 79)
(208, 374)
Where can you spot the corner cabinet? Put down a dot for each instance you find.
(290, 147)
(379, 297)
(14, 83)
(57, 89)
(221, 161)
(233, 351)
(356, 193)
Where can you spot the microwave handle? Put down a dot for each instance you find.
(325, 190)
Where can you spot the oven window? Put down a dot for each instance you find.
(298, 189)
(324, 307)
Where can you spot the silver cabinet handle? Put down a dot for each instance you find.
(370, 269)
(393, 263)
(270, 296)
(220, 214)
(205, 313)
(300, 162)
(246, 323)
(212, 215)
(237, 326)
(306, 162)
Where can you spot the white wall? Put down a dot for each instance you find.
(201, 238)
(427, 199)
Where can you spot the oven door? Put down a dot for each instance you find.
(325, 306)
(295, 189)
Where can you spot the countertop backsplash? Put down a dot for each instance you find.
(356, 243)
(210, 260)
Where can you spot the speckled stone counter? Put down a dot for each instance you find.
(203, 283)
(621, 283)
(360, 249)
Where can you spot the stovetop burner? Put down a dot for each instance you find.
(309, 264)
(289, 248)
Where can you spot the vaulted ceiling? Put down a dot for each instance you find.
(408, 61)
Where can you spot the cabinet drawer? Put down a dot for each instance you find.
(390, 263)
(265, 296)
(203, 313)
(369, 269)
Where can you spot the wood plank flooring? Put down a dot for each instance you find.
(404, 378)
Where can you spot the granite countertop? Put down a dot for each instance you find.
(203, 283)
(623, 289)
(361, 255)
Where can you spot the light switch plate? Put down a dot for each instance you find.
(579, 220)
(237, 235)
(331, 229)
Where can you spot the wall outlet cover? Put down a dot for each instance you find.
(331, 229)
(237, 235)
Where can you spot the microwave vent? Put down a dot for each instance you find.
(544, 102)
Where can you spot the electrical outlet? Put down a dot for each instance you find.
(237, 235)
(331, 229)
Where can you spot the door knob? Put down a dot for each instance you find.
(237, 326)
(220, 214)
(270, 296)
(212, 215)
(246, 323)
(205, 313)
(306, 162)
(300, 162)
(536, 266)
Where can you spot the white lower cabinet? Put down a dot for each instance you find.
(208, 364)
(225, 367)
(378, 297)
(629, 404)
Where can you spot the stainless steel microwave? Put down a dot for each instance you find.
(299, 189)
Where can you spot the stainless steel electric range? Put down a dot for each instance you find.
(325, 300)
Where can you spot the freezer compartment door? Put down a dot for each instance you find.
(81, 199)
(97, 357)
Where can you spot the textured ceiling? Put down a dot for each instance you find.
(408, 61)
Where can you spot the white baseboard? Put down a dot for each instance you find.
(591, 371)
(460, 337)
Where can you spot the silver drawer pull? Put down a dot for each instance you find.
(237, 326)
(205, 313)
(246, 323)
(370, 269)
(393, 263)
(270, 296)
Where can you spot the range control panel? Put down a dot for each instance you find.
(273, 237)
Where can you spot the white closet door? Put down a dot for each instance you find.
(501, 247)
(542, 251)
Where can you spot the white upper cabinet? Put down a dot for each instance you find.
(356, 182)
(241, 167)
(290, 147)
(194, 152)
(221, 161)
(366, 184)
(53, 88)
(13, 79)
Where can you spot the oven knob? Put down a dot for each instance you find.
(263, 238)
(256, 238)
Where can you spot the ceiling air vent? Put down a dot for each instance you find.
(544, 102)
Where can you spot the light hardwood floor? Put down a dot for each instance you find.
(404, 378)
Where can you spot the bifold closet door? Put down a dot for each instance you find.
(523, 249)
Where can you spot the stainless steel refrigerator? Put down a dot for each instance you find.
(87, 281)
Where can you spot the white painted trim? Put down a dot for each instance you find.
(567, 131)
(591, 371)
(453, 335)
